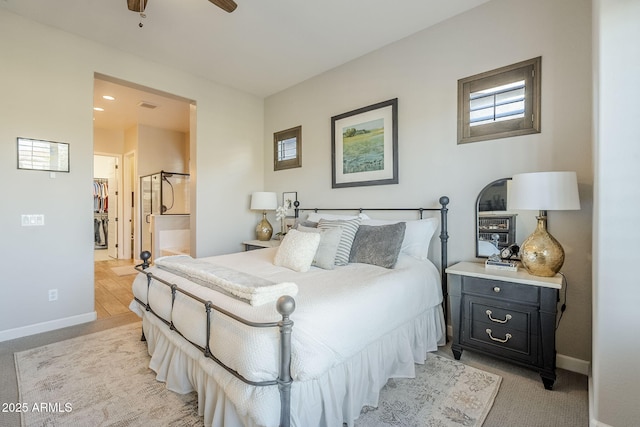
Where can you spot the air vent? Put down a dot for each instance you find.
(145, 104)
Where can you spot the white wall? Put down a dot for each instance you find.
(615, 383)
(161, 149)
(46, 81)
(102, 166)
(422, 72)
(107, 141)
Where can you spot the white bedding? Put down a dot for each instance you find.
(352, 321)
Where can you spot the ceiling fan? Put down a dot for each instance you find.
(139, 5)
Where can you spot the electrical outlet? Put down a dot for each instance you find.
(53, 294)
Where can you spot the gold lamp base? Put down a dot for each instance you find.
(264, 230)
(541, 254)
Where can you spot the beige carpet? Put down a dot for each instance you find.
(104, 379)
(124, 270)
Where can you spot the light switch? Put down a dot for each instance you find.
(32, 220)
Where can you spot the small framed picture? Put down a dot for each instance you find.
(287, 201)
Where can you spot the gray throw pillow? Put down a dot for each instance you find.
(349, 228)
(309, 224)
(378, 245)
(328, 248)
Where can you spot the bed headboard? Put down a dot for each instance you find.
(444, 234)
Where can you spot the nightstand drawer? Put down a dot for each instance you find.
(500, 289)
(503, 341)
(513, 316)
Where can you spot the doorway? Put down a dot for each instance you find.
(106, 206)
(131, 124)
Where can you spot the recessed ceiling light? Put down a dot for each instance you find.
(98, 108)
(108, 97)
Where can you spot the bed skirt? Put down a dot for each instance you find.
(335, 398)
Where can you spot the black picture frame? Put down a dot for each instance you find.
(364, 146)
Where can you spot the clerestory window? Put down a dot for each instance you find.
(500, 103)
(287, 149)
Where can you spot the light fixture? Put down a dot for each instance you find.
(108, 97)
(264, 201)
(98, 109)
(541, 254)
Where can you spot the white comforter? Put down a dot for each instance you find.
(338, 313)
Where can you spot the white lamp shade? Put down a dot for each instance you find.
(553, 191)
(264, 201)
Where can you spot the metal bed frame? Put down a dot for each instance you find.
(285, 306)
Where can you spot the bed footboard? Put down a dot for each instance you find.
(285, 306)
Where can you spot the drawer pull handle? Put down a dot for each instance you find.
(506, 337)
(496, 289)
(506, 318)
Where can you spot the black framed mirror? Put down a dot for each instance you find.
(497, 227)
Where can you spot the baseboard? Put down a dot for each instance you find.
(51, 325)
(572, 364)
(596, 423)
(563, 362)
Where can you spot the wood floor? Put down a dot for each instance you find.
(112, 292)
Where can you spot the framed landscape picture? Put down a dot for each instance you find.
(364, 146)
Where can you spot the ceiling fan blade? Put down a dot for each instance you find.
(137, 5)
(226, 5)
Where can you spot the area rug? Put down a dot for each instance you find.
(444, 393)
(124, 270)
(103, 379)
(100, 379)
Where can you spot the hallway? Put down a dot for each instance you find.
(112, 291)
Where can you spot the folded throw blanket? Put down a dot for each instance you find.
(243, 286)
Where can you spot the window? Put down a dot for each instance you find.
(287, 149)
(500, 103)
(43, 155)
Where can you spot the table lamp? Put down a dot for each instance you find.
(541, 254)
(264, 201)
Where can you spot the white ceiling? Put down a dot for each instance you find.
(263, 47)
(124, 112)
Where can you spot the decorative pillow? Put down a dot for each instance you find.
(378, 245)
(317, 216)
(308, 224)
(297, 249)
(417, 236)
(328, 247)
(349, 228)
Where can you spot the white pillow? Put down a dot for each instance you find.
(297, 249)
(317, 216)
(417, 235)
(328, 248)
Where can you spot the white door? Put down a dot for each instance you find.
(112, 239)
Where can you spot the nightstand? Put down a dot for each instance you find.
(251, 245)
(507, 314)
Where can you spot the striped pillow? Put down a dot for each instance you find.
(349, 229)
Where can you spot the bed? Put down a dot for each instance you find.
(356, 325)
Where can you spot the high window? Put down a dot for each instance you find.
(500, 103)
(287, 149)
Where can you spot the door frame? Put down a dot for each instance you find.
(131, 212)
